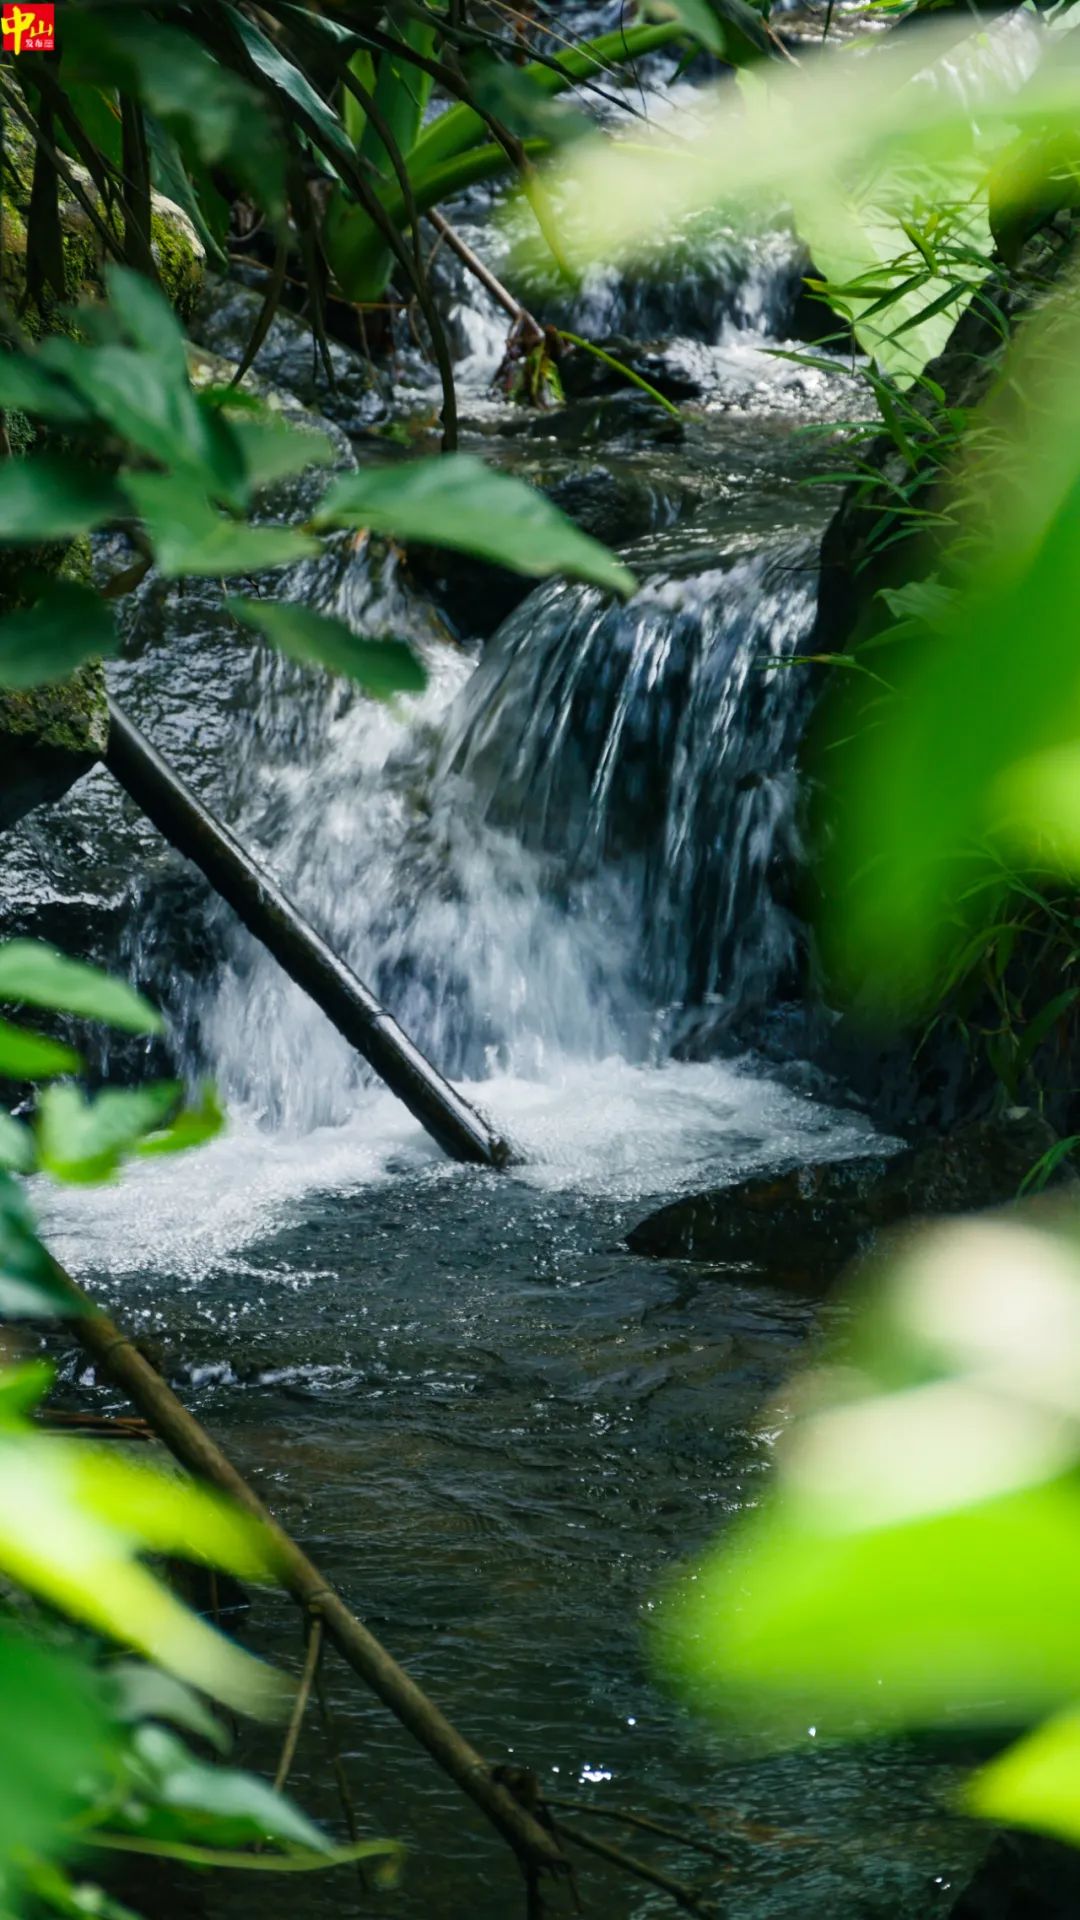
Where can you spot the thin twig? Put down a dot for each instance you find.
(531, 330)
(684, 1896)
(303, 1695)
(624, 1818)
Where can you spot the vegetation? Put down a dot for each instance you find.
(897, 1576)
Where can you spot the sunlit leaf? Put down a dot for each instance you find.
(85, 1140)
(73, 1518)
(31, 1056)
(16, 1145)
(382, 667)
(136, 1692)
(29, 1286)
(1035, 1783)
(45, 643)
(37, 975)
(193, 1126)
(459, 502)
(175, 1796)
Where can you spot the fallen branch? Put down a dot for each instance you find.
(536, 1849)
(684, 1896)
(623, 1817)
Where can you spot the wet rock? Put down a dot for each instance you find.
(629, 417)
(1023, 1877)
(50, 737)
(811, 1219)
(289, 356)
(583, 375)
(178, 252)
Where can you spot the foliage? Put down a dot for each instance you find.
(897, 1574)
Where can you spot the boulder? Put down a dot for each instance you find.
(807, 1222)
(49, 737)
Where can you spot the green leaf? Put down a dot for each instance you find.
(82, 1141)
(730, 28)
(32, 389)
(44, 497)
(295, 91)
(459, 502)
(211, 110)
(56, 1736)
(147, 399)
(190, 536)
(273, 450)
(30, 1056)
(16, 1145)
(29, 1287)
(176, 1796)
(137, 1692)
(192, 1127)
(67, 626)
(39, 976)
(1035, 1783)
(382, 667)
(73, 1519)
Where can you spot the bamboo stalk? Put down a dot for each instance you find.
(536, 1849)
(275, 921)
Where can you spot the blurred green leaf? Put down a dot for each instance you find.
(174, 1796)
(190, 536)
(273, 449)
(136, 1692)
(1035, 1783)
(56, 1735)
(46, 497)
(382, 667)
(29, 1287)
(84, 1140)
(31, 1056)
(16, 1145)
(193, 1126)
(730, 28)
(37, 975)
(459, 502)
(73, 1518)
(33, 389)
(42, 644)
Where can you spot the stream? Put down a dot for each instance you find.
(566, 869)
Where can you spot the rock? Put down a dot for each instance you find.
(1023, 1877)
(809, 1221)
(289, 357)
(50, 737)
(584, 375)
(178, 252)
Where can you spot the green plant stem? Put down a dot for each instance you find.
(628, 373)
(194, 1856)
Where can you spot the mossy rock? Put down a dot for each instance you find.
(50, 737)
(178, 252)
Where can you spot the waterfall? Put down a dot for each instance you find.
(556, 855)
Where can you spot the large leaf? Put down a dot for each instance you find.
(29, 1285)
(193, 1126)
(382, 667)
(272, 449)
(44, 643)
(37, 975)
(190, 536)
(84, 1140)
(74, 1518)
(729, 28)
(210, 109)
(136, 1692)
(56, 1736)
(31, 1056)
(173, 1796)
(16, 1145)
(44, 497)
(33, 389)
(1035, 1783)
(459, 502)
